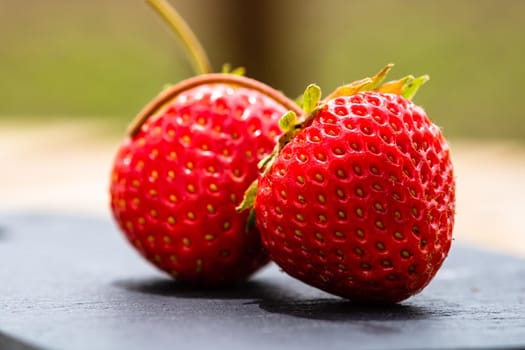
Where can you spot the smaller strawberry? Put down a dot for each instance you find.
(359, 197)
(177, 180)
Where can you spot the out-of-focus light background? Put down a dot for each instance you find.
(73, 74)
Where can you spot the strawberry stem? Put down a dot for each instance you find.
(197, 55)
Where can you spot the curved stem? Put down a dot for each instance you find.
(198, 57)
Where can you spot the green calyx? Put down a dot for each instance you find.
(227, 69)
(361, 85)
(290, 123)
(406, 86)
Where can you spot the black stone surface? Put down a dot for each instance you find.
(74, 283)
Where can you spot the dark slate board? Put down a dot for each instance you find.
(74, 283)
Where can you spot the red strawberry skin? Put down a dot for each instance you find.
(176, 182)
(361, 202)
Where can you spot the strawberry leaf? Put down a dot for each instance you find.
(239, 71)
(411, 88)
(249, 197)
(311, 97)
(263, 162)
(268, 160)
(380, 76)
(227, 68)
(395, 86)
(287, 121)
(350, 89)
(361, 85)
(406, 87)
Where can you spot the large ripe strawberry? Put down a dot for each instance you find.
(178, 177)
(360, 202)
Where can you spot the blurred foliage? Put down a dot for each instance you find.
(107, 59)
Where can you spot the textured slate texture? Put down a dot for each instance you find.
(74, 283)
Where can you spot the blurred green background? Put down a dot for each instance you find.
(105, 59)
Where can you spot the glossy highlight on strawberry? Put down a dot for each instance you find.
(361, 201)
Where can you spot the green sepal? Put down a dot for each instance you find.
(361, 85)
(241, 71)
(227, 68)
(406, 87)
(288, 121)
(268, 160)
(395, 86)
(311, 98)
(380, 76)
(350, 89)
(247, 204)
(289, 124)
(411, 88)
(249, 197)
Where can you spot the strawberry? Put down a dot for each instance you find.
(179, 175)
(360, 202)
